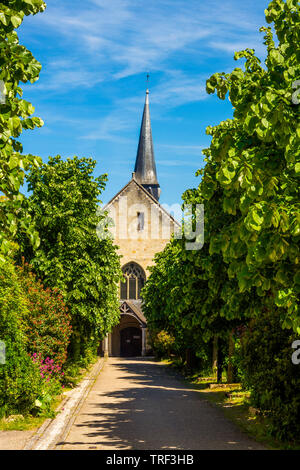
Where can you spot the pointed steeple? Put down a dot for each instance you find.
(145, 168)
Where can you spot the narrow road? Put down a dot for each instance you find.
(141, 404)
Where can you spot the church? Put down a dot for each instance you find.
(141, 228)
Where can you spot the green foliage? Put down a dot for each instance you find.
(163, 343)
(52, 376)
(72, 373)
(271, 376)
(47, 326)
(249, 188)
(252, 163)
(86, 270)
(20, 381)
(16, 65)
(30, 318)
(174, 296)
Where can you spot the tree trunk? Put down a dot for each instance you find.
(220, 364)
(230, 374)
(189, 360)
(215, 356)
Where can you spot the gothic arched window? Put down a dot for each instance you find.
(134, 281)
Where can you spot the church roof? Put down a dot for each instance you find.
(145, 168)
(147, 194)
(134, 308)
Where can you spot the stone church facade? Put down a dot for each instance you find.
(142, 227)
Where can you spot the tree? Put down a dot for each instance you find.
(86, 270)
(254, 161)
(249, 263)
(181, 298)
(17, 64)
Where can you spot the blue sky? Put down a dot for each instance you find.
(92, 86)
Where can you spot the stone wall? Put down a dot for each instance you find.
(134, 245)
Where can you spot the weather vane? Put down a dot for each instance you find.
(148, 76)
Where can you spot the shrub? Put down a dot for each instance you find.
(30, 317)
(163, 343)
(47, 326)
(52, 376)
(20, 381)
(271, 376)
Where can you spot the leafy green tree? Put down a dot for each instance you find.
(63, 205)
(249, 263)
(254, 161)
(186, 294)
(17, 64)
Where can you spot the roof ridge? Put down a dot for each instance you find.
(149, 195)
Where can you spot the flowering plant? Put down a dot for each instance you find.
(47, 327)
(51, 377)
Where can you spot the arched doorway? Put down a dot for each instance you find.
(131, 342)
(129, 337)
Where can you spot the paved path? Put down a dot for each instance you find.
(141, 404)
(14, 440)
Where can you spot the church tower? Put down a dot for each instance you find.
(142, 227)
(145, 168)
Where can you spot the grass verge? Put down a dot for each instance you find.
(73, 376)
(28, 422)
(235, 403)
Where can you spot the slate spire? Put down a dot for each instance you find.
(145, 168)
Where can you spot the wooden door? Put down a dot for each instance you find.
(131, 342)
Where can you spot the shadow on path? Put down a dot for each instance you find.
(140, 404)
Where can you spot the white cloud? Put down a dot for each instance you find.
(238, 45)
(109, 40)
(120, 38)
(181, 163)
(126, 112)
(110, 128)
(183, 148)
